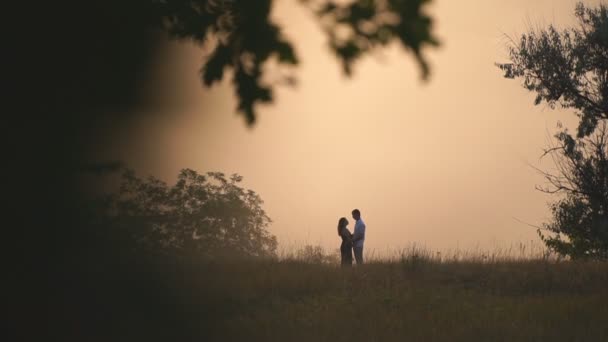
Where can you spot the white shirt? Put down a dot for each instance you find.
(359, 232)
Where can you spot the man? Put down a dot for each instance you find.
(358, 236)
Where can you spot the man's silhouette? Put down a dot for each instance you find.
(358, 236)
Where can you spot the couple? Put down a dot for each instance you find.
(353, 241)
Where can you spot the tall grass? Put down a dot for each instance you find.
(415, 295)
(515, 252)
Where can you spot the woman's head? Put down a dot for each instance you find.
(343, 222)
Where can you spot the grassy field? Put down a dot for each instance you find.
(411, 298)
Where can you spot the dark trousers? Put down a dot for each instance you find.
(359, 255)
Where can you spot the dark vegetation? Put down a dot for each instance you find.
(579, 227)
(569, 68)
(206, 216)
(138, 265)
(71, 65)
(414, 298)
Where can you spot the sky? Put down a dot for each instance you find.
(445, 164)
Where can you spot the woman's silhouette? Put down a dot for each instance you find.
(346, 248)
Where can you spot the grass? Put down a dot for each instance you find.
(417, 296)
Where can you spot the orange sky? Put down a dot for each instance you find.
(443, 163)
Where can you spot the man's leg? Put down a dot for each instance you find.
(359, 255)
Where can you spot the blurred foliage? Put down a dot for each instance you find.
(74, 68)
(206, 216)
(356, 28)
(568, 68)
(579, 225)
(93, 55)
(242, 37)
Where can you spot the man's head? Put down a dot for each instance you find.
(356, 214)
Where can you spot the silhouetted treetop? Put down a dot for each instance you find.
(242, 37)
(208, 215)
(568, 67)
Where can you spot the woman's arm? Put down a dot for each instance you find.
(348, 235)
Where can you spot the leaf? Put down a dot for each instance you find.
(213, 70)
(286, 53)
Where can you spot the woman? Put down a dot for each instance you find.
(346, 248)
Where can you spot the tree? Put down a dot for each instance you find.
(568, 68)
(206, 215)
(242, 38)
(579, 226)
